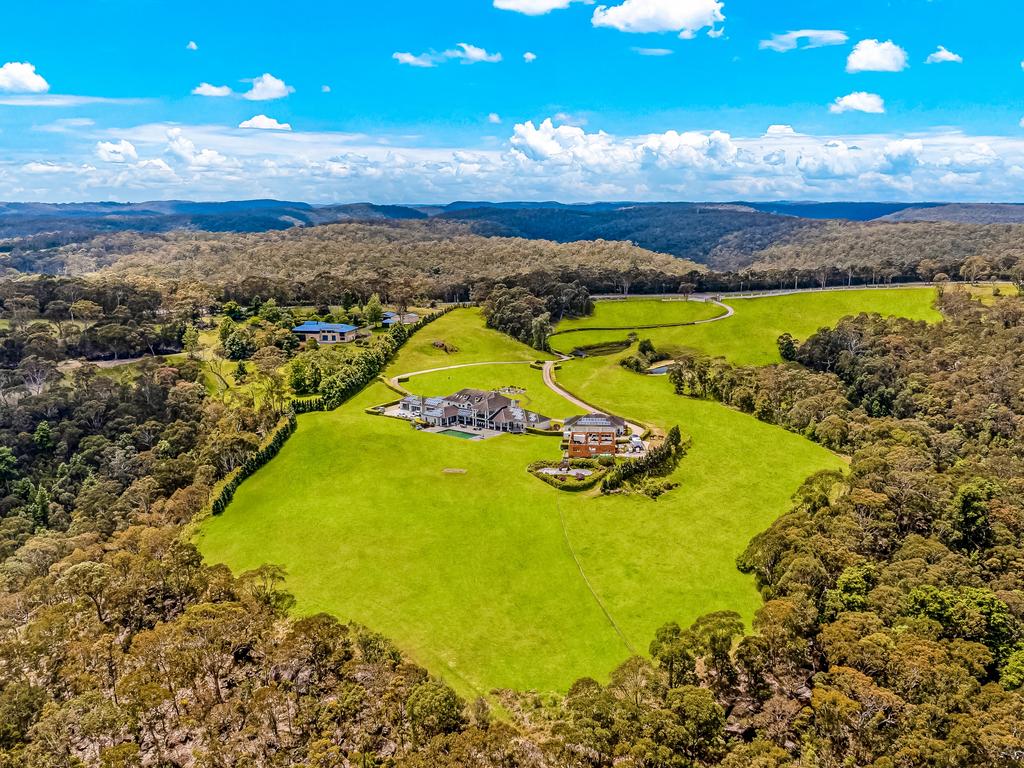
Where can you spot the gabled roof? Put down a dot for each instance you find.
(312, 326)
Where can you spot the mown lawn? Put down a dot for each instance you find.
(471, 573)
(749, 337)
(463, 329)
(628, 313)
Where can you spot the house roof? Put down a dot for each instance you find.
(595, 420)
(391, 318)
(595, 429)
(312, 326)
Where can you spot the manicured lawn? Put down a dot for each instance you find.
(471, 573)
(749, 337)
(632, 312)
(464, 329)
(536, 396)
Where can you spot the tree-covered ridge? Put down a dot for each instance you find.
(706, 233)
(878, 251)
(438, 259)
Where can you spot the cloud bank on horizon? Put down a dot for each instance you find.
(571, 99)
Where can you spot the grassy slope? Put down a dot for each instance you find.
(626, 314)
(470, 573)
(748, 338)
(465, 329)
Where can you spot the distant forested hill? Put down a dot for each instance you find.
(687, 230)
(81, 220)
(850, 211)
(967, 213)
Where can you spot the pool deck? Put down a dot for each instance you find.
(476, 432)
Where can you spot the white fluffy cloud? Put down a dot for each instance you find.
(464, 52)
(529, 57)
(192, 46)
(116, 151)
(653, 51)
(494, 118)
(471, 54)
(214, 91)
(687, 17)
(48, 167)
(266, 87)
(541, 160)
(804, 38)
(21, 77)
(264, 123)
(424, 60)
(875, 56)
(858, 101)
(185, 149)
(535, 7)
(943, 55)
(325, 89)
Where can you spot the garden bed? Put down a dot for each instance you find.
(580, 475)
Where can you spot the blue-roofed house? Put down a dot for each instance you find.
(326, 333)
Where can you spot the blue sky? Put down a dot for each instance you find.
(636, 99)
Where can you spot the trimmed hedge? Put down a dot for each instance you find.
(569, 483)
(378, 410)
(544, 432)
(307, 405)
(254, 462)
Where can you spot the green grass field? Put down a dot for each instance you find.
(472, 574)
(628, 313)
(465, 330)
(749, 337)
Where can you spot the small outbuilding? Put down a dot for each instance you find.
(395, 318)
(326, 333)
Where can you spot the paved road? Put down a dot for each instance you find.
(554, 386)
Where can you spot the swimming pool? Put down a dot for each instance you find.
(459, 434)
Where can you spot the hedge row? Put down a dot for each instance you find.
(308, 405)
(568, 483)
(255, 461)
(655, 460)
